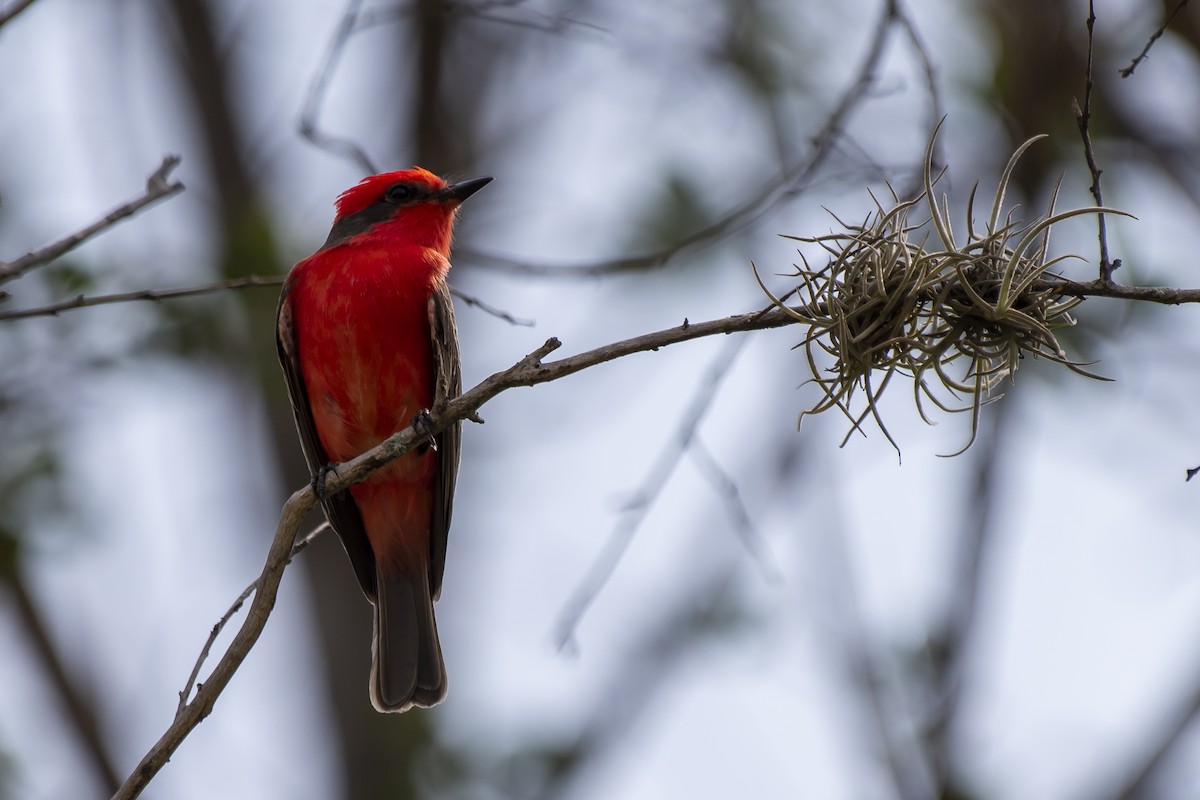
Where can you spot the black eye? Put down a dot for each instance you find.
(399, 193)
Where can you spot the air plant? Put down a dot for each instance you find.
(909, 299)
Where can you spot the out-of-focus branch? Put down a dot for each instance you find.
(727, 491)
(249, 282)
(309, 123)
(1154, 37)
(157, 187)
(153, 295)
(635, 510)
(1159, 745)
(884, 723)
(8, 14)
(79, 711)
(921, 49)
(790, 183)
(949, 647)
(501, 12)
(659, 651)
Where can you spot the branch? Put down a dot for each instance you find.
(1125, 73)
(1150, 294)
(950, 645)
(297, 548)
(501, 12)
(1083, 118)
(529, 371)
(157, 187)
(309, 126)
(249, 282)
(1173, 727)
(7, 15)
(634, 512)
(78, 709)
(154, 295)
(789, 183)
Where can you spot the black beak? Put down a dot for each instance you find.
(461, 191)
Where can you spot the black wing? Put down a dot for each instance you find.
(447, 370)
(340, 509)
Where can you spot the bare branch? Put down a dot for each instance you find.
(78, 710)
(8, 14)
(949, 646)
(487, 308)
(308, 125)
(501, 12)
(787, 185)
(936, 104)
(1125, 73)
(249, 282)
(300, 545)
(157, 188)
(727, 490)
(529, 371)
(1151, 294)
(153, 295)
(294, 511)
(1083, 118)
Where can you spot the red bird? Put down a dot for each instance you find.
(367, 340)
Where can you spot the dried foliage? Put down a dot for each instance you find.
(955, 318)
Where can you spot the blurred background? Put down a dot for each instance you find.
(656, 586)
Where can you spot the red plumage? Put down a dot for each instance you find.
(367, 340)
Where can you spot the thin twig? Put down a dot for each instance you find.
(8, 14)
(249, 282)
(309, 124)
(933, 87)
(1127, 71)
(487, 308)
(157, 188)
(1083, 118)
(153, 295)
(302, 543)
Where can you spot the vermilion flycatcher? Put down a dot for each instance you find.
(367, 340)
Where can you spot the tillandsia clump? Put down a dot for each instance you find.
(909, 299)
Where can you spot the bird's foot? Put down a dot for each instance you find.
(320, 476)
(422, 423)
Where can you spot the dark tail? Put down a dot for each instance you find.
(406, 663)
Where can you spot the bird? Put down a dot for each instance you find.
(368, 343)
